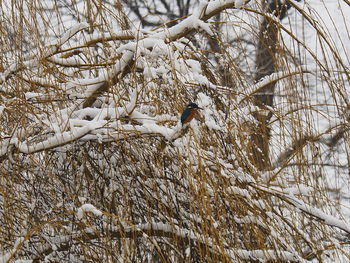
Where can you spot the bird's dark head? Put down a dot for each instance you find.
(193, 106)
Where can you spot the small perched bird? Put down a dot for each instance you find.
(189, 113)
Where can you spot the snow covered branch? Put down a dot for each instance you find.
(92, 89)
(312, 211)
(96, 165)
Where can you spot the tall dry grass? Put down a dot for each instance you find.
(88, 173)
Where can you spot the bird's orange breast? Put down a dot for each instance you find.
(191, 116)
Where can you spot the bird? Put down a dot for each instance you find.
(189, 113)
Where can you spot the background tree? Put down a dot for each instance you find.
(95, 165)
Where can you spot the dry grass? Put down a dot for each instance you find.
(199, 198)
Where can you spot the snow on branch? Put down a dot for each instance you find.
(160, 230)
(219, 5)
(110, 102)
(88, 90)
(34, 60)
(265, 255)
(302, 206)
(274, 77)
(317, 213)
(88, 208)
(68, 34)
(58, 139)
(300, 143)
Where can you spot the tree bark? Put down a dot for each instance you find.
(266, 58)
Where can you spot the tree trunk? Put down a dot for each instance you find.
(266, 58)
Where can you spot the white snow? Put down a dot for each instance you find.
(88, 208)
(2, 108)
(239, 3)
